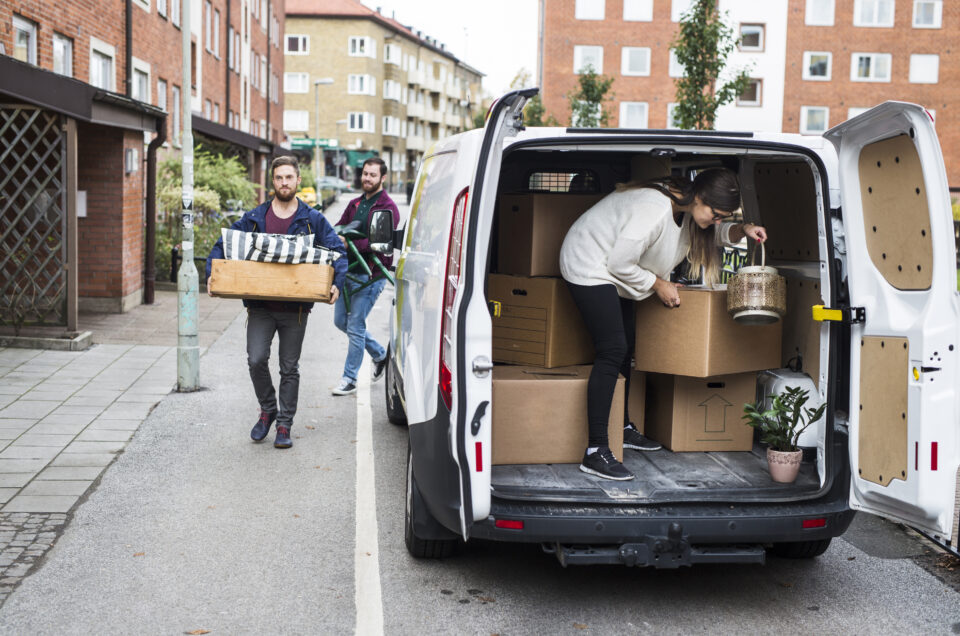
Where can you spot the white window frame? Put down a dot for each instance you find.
(855, 63)
(296, 120)
(304, 41)
(360, 122)
(860, 5)
(162, 94)
(589, 10)
(578, 53)
(391, 125)
(756, 26)
(296, 82)
(598, 112)
(176, 96)
(625, 106)
(207, 109)
(805, 116)
(392, 54)
(263, 76)
(853, 111)
(361, 46)
(753, 103)
(392, 90)
(216, 33)
(917, 71)
(30, 27)
(98, 46)
(675, 69)
(807, 60)
(66, 56)
(625, 61)
(678, 8)
(216, 112)
(361, 84)
(143, 4)
(208, 27)
(811, 18)
(162, 8)
(937, 14)
(175, 12)
(637, 10)
(672, 106)
(140, 66)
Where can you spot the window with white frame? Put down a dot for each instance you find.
(296, 120)
(263, 76)
(584, 56)
(392, 54)
(208, 27)
(175, 12)
(814, 120)
(817, 65)
(924, 69)
(216, 112)
(819, 13)
(216, 33)
(633, 115)
(635, 60)
(752, 95)
(24, 40)
(637, 10)
(62, 55)
(751, 37)
(207, 109)
(360, 122)
(391, 90)
(143, 4)
(141, 80)
(927, 14)
(589, 9)
(236, 52)
(361, 46)
(870, 67)
(361, 85)
(873, 13)
(162, 94)
(297, 45)
(853, 112)
(296, 82)
(672, 114)
(597, 113)
(175, 107)
(679, 7)
(676, 68)
(230, 52)
(162, 8)
(101, 64)
(391, 125)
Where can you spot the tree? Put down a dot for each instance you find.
(586, 103)
(702, 47)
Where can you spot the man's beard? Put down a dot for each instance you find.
(285, 199)
(371, 187)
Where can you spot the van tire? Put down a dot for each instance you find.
(800, 549)
(395, 413)
(416, 513)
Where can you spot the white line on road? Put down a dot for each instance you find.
(366, 558)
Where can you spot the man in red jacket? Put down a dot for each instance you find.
(354, 322)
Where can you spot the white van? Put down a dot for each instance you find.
(861, 216)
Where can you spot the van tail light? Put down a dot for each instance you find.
(450, 285)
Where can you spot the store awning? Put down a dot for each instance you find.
(357, 157)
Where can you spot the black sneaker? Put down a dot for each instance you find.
(379, 368)
(602, 463)
(283, 438)
(632, 438)
(262, 427)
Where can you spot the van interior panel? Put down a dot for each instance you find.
(801, 333)
(883, 409)
(786, 198)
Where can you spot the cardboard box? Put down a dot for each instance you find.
(539, 324)
(700, 414)
(637, 399)
(532, 228)
(540, 415)
(306, 282)
(700, 339)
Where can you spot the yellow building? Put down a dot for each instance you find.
(359, 83)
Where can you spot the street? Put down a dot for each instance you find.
(194, 529)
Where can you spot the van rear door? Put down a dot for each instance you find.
(904, 421)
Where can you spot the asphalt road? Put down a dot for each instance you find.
(196, 528)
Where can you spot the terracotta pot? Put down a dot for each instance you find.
(784, 466)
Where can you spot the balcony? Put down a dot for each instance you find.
(452, 120)
(432, 115)
(415, 143)
(415, 110)
(452, 91)
(433, 84)
(415, 77)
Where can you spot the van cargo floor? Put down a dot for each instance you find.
(660, 476)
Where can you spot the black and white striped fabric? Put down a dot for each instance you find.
(274, 248)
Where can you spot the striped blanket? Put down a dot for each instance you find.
(274, 248)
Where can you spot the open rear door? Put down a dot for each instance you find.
(904, 421)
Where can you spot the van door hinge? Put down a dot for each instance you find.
(845, 315)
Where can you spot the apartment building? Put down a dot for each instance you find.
(812, 63)
(91, 96)
(358, 83)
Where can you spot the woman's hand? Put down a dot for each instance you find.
(667, 292)
(756, 232)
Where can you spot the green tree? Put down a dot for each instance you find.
(702, 47)
(586, 103)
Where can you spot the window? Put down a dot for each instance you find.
(216, 112)
(589, 9)
(143, 4)
(162, 8)
(297, 45)
(870, 67)
(597, 113)
(927, 14)
(263, 76)
(391, 90)
(236, 52)
(216, 33)
(176, 134)
(175, 12)
(678, 8)
(101, 64)
(671, 115)
(162, 94)
(361, 47)
(751, 37)
(24, 40)
(819, 13)
(391, 54)
(296, 82)
(817, 65)
(584, 56)
(752, 94)
(873, 13)
(207, 109)
(62, 55)
(924, 69)
(296, 120)
(853, 112)
(637, 10)
(634, 61)
(814, 119)
(360, 122)
(141, 85)
(633, 115)
(361, 85)
(230, 47)
(676, 69)
(208, 26)
(391, 126)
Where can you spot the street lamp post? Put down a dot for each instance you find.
(340, 122)
(188, 349)
(317, 83)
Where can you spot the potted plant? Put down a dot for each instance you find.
(780, 427)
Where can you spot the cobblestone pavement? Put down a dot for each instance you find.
(24, 538)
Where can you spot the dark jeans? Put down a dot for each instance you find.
(262, 324)
(610, 320)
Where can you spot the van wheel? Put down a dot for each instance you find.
(801, 549)
(416, 513)
(395, 412)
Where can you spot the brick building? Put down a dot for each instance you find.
(813, 63)
(394, 90)
(85, 88)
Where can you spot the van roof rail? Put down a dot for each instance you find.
(673, 132)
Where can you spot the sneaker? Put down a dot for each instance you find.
(632, 438)
(346, 387)
(283, 437)
(602, 463)
(262, 427)
(379, 368)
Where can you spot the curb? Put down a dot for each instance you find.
(69, 341)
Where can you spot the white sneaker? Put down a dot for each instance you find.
(346, 388)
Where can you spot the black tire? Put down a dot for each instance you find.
(395, 413)
(416, 511)
(800, 549)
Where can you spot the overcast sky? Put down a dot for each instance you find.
(496, 37)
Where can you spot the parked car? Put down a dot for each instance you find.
(333, 183)
(308, 195)
(859, 221)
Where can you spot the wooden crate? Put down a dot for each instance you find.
(306, 282)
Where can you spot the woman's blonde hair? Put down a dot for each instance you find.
(715, 187)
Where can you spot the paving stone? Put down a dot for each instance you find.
(56, 488)
(81, 459)
(14, 480)
(127, 411)
(30, 438)
(7, 493)
(68, 420)
(79, 473)
(20, 424)
(104, 435)
(78, 410)
(91, 447)
(28, 409)
(89, 401)
(6, 399)
(92, 391)
(29, 452)
(22, 465)
(115, 425)
(46, 395)
(151, 398)
(32, 503)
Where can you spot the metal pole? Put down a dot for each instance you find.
(316, 140)
(188, 350)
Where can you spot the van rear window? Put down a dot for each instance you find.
(580, 182)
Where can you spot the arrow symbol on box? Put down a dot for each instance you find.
(715, 414)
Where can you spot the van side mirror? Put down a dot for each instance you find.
(381, 231)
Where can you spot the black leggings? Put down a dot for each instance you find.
(610, 320)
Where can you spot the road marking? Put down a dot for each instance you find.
(366, 558)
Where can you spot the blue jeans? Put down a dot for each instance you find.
(354, 324)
